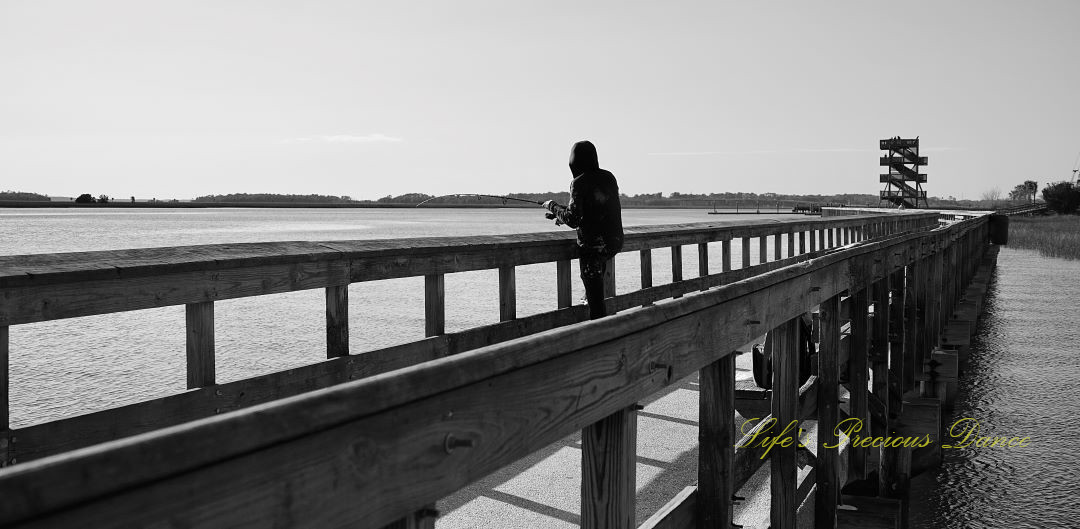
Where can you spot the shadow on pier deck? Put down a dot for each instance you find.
(381, 438)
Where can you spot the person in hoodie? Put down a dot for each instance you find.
(595, 212)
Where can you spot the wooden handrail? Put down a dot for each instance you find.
(384, 439)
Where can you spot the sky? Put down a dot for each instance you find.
(367, 99)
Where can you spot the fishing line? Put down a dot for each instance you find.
(479, 196)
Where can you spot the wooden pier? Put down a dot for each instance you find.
(375, 439)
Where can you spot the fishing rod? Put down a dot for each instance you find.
(479, 196)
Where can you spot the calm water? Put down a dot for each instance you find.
(1024, 380)
(69, 367)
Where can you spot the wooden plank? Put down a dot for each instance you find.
(725, 256)
(763, 249)
(199, 318)
(563, 282)
(609, 279)
(679, 513)
(608, 471)
(247, 445)
(897, 334)
(507, 293)
(791, 244)
(828, 466)
(337, 321)
(778, 247)
(784, 460)
(676, 265)
(703, 259)
(813, 236)
(434, 305)
(716, 443)
(879, 347)
(858, 377)
(5, 373)
(746, 252)
(646, 269)
(911, 324)
(802, 242)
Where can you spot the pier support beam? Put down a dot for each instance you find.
(858, 378)
(785, 409)
(608, 471)
(827, 466)
(716, 443)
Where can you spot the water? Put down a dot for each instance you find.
(69, 367)
(1022, 381)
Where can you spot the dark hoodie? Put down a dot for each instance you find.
(594, 204)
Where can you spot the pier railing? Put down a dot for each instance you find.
(429, 417)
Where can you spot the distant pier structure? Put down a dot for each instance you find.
(903, 182)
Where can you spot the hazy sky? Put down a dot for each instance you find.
(186, 98)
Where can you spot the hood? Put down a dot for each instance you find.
(583, 158)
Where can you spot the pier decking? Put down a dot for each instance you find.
(376, 439)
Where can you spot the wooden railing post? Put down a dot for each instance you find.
(716, 443)
(813, 240)
(337, 321)
(703, 262)
(564, 281)
(507, 293)
(608, 471)
(785, 409)
(858, 376)
(725, 255)
(778, 247)
(802, 242)
(435, 305)
(828, 395)
(745, 252)
(763, 249)
(609, 279)
(791, 244)
(200, 344)
(676, 266)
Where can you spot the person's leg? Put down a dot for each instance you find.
(592, 277)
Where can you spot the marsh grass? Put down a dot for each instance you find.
(1055, 236)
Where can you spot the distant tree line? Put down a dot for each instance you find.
(272, 197)
(23, 196)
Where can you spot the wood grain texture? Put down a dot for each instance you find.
(337, 321)
(434, 305)
(676, 265)
(646, 268)
(563, 283)
(716, 443)
(791, 244)
(827, 469)
(858, 376)
(608, 471)
(5, 374)
(763, 249)
(199, 319)
(507, 293)
(746, 252)
(785, 402)
(703, 259)
(725, 256)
